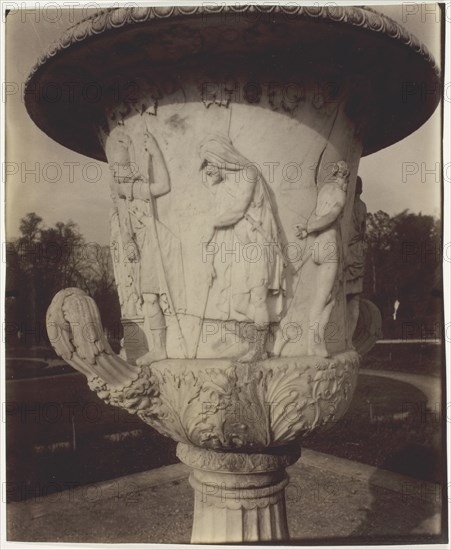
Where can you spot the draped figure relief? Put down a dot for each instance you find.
(246, 263)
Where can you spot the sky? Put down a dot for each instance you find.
(59, 184)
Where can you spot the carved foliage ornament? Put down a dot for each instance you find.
(228, 406)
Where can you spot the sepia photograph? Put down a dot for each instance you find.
(225, 274)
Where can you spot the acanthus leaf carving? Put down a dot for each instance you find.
(229, 406)
(210, 460)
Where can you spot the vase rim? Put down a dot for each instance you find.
(110, 26)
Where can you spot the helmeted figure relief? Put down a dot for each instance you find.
(326, 251)
(355, 261)
(244, 223)
(149, 271)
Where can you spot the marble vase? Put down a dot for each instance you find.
(233, 136)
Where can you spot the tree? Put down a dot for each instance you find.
(102, 288)
(417, 255)
(403, 263)
(30, 227)
(44, 260)
(379, 240)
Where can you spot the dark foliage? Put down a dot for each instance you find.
(44, 260)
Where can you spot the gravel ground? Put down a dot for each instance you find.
(157, 506)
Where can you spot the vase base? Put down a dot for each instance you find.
(238, 497)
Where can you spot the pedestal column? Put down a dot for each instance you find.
(238, 497)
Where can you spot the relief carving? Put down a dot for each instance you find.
(245, 268)
(324, 226)
(149, 271)
(228, 406)
(324, 250)
(245, 223)
(206, 459)
(355, 261)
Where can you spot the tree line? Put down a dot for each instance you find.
(403, 269)
(44, 260)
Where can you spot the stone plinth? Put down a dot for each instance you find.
(238, 497)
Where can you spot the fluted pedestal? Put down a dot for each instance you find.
(238, 497)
